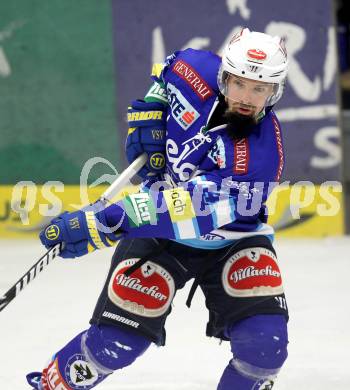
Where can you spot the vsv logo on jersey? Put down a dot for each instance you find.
(182, 111)
(217, 153)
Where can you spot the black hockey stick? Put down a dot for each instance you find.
(31, 274)
(45, 260)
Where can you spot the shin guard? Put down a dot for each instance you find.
(259, 347)
(89, 358)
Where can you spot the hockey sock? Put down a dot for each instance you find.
(89, 358)
(259, 347)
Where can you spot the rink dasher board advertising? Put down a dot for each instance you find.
(145, 34)
(294, 210)
(308, 110)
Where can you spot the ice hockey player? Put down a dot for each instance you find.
(215, 152)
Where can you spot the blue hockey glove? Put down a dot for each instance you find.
(147, 127)
(81, 232)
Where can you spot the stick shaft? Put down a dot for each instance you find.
(124, 178)
(53, 252)
(30, 275)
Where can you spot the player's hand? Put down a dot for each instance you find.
(146, 134)
(81, 232)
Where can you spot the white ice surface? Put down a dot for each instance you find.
(58, 304)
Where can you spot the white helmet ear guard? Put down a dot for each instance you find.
(255, 56)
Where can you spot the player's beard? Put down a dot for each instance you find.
(239, 125)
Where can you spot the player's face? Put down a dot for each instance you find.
(247, 97)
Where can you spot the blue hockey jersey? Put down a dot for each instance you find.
(216, 187)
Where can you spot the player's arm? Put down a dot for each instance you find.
(146, 134)
(183, 212)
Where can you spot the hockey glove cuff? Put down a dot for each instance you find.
(81, 232)
(146, 134)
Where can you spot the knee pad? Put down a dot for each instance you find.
(259, 345)
(91, 356)
(112, 347)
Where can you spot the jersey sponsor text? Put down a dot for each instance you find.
(198, 85)
(241, 156)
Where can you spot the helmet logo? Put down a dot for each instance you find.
(256, 54)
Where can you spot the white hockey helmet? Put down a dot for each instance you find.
(255, 56)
